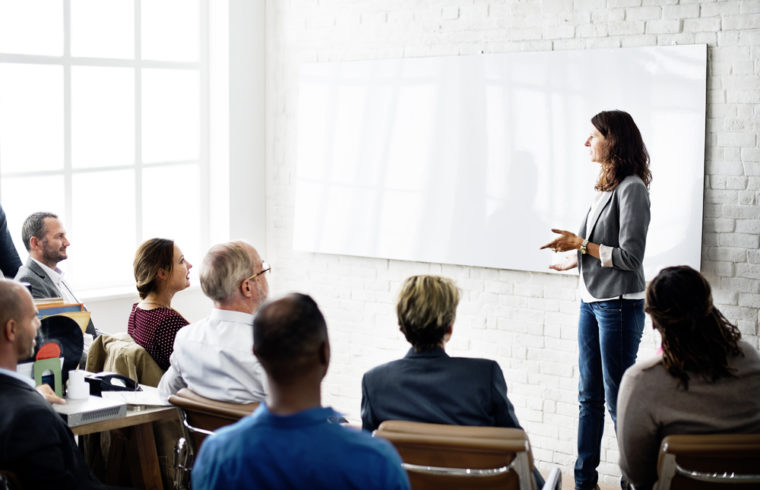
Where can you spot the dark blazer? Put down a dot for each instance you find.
(621, 222)
(36, 444)
(435, 388)
(42, 286)
(9, 260)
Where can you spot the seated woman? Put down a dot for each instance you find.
(706, 380)
(160, 271)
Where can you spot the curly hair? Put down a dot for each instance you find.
(426, 308)
(626, 153)
(696, 337)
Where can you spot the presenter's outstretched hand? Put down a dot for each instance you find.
(567, 240)
(570, 262)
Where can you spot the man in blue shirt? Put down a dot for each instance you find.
(291, 441)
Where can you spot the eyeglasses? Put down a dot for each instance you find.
(265, 267)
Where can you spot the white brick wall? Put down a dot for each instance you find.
(525, 321)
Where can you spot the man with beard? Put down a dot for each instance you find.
(45, 239)
(213, 356)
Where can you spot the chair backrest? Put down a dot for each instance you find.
(120, 354)
(203, 415)
(438, 456)
(709, 461)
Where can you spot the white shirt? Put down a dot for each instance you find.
(56, 275)
(15, 374)
(214, 358)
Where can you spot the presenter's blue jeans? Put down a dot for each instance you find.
(609, 333)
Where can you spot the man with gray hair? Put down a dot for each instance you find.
(212, 356)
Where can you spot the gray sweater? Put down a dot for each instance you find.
(652, 406)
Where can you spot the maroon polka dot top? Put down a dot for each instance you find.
(155, 331)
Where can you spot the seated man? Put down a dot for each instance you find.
(35, 443)
(706, 380)
(213, 356)
(291, 441)
(427, 385)
(45, 239)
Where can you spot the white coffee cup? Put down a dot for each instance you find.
(78, 389)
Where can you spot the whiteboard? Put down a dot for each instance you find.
(472, 159)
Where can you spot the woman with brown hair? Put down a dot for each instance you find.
(160, 272)
(706, 380)
(610, 245)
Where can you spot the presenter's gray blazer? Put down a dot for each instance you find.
(621, 222)
(42, 286)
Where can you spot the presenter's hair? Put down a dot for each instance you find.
(10, 301)
(288, 334)
(151, 256)
(426, 308)
(626, 153)
(34, 226)
(224, 267)
(696, 337)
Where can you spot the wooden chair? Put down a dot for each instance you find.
(709, 461)
(201, 416)
(440, 457)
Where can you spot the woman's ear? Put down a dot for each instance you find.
(162, 274)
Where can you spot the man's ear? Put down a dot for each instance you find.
(324, 353)
(246, 289)
(9, 330)
(34, 242)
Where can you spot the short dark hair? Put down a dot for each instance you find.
(426, 308)
(626, 153)
(696, 337)
(10, 301)
(151, 256)
(287, 336)
(34, 226)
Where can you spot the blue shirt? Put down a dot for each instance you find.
(304, 450)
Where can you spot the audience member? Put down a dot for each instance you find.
(705, 380)
(427, 385)
(35, 443)
(160, 272)
(9, 259)
(45, 239)
(291, 441)
(213, 356)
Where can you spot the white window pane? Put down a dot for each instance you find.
(15, 192)
(31, 27)
(103, 28)
(102, 116)
(171, 206)
(170, 115)
(170, 30)
(102, 233)
(31, 117)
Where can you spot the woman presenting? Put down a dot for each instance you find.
(610, 245)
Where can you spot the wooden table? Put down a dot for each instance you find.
(139, 421)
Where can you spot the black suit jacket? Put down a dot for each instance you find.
(9, 260)
(435, 388)
(36, 444)
(42, 286)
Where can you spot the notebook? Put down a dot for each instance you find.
(92, 409)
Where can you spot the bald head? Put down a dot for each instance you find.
(18, 324)
(290, 338)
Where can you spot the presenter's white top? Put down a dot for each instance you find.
(214, 358)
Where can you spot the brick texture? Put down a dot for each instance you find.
(525, 321)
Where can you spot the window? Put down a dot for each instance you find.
(104, 109)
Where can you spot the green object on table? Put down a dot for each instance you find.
(53, 365)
